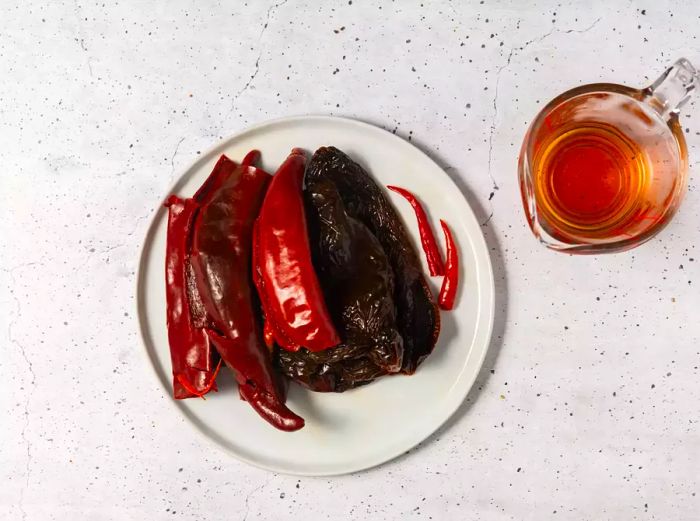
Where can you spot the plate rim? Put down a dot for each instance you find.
(488, 299)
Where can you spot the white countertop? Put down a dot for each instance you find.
(588, 404)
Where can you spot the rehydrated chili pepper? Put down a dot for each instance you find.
(289, 290)
(222, 170)
(222, 267)
(448, 291)
(192, 355)
(427, 238)
(418, 317)
(190, 349)
(358, 283)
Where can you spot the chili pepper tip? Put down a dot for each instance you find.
(448, 290)
(251, 158)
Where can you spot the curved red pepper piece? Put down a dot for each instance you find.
(221, 262)
(448, 291)
(270, 332)
(190, 351)
(251, 158)
(291, 295)
(223, 169)
(427, 239)
(258, 384)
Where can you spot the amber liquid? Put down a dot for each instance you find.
(593, 177)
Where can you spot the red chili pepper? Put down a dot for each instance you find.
(289, 289)
(427, 239)
(446, 300)
(190, 351)
(269, 335)
(269, 331)
(223, 169)
(222, 266)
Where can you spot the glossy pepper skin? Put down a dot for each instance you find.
(289, 289)
(448, 291)
(192, 355)
(427, 239)
(358, 283)
(190, 349)
(223, 169)
(221, 259)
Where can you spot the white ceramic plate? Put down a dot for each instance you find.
(363, 427)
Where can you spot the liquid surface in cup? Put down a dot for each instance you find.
(602, 168)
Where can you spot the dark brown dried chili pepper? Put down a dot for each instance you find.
(418, 317)
(289, 290)
(448, 291)
(358, 284)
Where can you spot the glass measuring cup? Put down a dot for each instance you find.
(603, 167)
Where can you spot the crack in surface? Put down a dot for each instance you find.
(172, 158)
(256, 67)
(580, 31)
(137, 222)
(108, 249)
(111, 248)
(81, 41)
(452, 8)
(254, 491)
(32, 381)
(494, 115)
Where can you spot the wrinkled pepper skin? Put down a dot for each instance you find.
(221, 260)
(291, 295)
(190, 349)
(418, 316)
(223, 169)
(192, 355)
(358, 283)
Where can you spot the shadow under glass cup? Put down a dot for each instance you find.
(603, 167)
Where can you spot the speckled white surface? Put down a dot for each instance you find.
(589, 402)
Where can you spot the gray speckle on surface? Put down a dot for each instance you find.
(103, 104)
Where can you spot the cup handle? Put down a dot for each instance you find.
(673, 88)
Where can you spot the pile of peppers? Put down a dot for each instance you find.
(240, 281)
